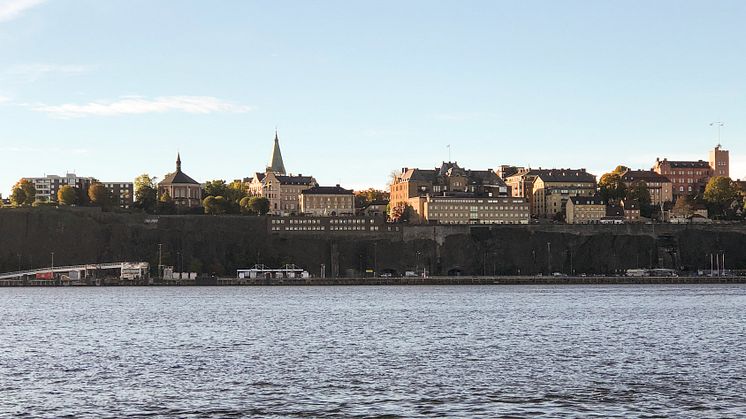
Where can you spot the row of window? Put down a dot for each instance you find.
(331, 228)
(481, 215)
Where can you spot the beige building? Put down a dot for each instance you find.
(283, 191)
(659, 186)
(585, 210)
(185, 191)
(720, 162)
(448, 178)
(470, 209)
(324, 201)
(631, 211)
(553, 188)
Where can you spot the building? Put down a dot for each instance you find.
(631, 210)
(448, 178)
(659, 186)
(282, 190)
(374, 209)
(185, 191)
(719, 162)
(505, 171)
(122, 193)
(585, 210)
(323, 201)
(687, 177)
(329, 225)
(48, 186)
(551, 190)
(467, 208)
(614, 214)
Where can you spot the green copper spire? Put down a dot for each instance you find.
(276, 165)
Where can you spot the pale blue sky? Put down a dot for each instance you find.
(113, 89)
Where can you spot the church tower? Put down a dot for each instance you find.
(276, 165)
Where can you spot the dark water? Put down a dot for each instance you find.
(374, 351)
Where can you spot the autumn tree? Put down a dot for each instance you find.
(611, 187)
(146, 193)
(720, 194)
(67, 195)
(166, 204)
(365, 197)
(99, 195)
(23, 193)
(683, 207)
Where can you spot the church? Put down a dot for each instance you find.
(185, 191)
(282, 190)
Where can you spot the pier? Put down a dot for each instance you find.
(111, 273)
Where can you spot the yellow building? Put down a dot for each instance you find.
(553, 188)
(585, 210)
(324, 201)
(470, 209)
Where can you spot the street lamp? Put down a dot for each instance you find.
(52, 260)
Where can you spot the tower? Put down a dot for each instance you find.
(276, 165)
(178, 162)
(720, 162)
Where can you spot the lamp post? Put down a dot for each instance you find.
(52, 260)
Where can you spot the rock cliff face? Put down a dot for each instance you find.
(223, 244)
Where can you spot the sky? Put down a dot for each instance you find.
(115, 88)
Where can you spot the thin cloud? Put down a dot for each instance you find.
(133, 105)
(4, 99)
(33, 72)
(11, 9)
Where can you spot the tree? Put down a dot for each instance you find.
(165, 204)
(401, 213)
(146, 193)
(67, 195)
(23, 193)
(215, 205)
(259, 205)
(245, 206)
(720, 194)
(363, 198)
(611, 187)
(683, 207)
(215, 188)
(619, 170)
(99, 195)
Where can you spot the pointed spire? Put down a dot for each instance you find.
(276, 165)
(178, 162)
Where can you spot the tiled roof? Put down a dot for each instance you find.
(295, 180)
(566, 175)
(177, 177)
(701, 164)
(327, 190)
(645, 176)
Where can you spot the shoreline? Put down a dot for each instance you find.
(402, 281)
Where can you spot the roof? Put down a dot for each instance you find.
(295, 180)
(327, 190)
(586, 200)
(645, 176)
(178, 177)
(566, 175)
(686, 164)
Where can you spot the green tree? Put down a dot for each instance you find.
(245, 205)
(165, 205)
(23, 193)
(146, 193)
(215, 205)
(259, 205)
(67, 195)
(216, 187)
(99, 195)
(639, 192)
(720, 194)
(611, 187)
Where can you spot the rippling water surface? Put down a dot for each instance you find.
(374, 351)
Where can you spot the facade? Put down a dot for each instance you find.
(553, 188)
(585, 210)
(185, 191)
(320, 201)
(631, 211)
(282, 190)
(505, 171)
(448, 178)
(48, 186)
(720, 162)
(465, 208)
(659, 186)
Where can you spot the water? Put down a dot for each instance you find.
(374, 351)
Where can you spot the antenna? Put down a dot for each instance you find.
(719, 125)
